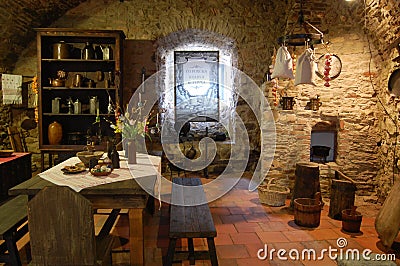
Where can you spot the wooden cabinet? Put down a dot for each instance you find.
(14, 170)
(77, 67)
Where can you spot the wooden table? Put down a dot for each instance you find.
(119, 195)
(14, 170)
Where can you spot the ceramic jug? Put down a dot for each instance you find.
(77, 81)
(315, 104)
(94, 105)
(77, 107)
(88, 51)
(61, 50)
(55, 105)
(70, 105)
(98, 52)
(54, 133)
(107, 53)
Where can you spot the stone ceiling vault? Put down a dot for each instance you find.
(18, 18)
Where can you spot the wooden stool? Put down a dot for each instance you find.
(307, 181)
(342, 197)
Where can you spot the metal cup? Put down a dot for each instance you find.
(55, 105)
(315, 104)
(77, 81)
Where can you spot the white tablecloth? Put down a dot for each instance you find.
(147, 165)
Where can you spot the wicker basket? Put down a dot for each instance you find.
(272, 194)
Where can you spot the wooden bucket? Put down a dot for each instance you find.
(307, 212)
(351, 220)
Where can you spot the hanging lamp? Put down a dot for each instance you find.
(305, 38)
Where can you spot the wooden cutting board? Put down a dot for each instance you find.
(387, 223)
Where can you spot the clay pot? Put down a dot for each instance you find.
(55, 133)
(61, 50)
(57, 82)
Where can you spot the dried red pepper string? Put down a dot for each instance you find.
(327, 67)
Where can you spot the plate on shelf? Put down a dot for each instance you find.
(6, 153)
(73, 169)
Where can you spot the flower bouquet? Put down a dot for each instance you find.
(132, 125)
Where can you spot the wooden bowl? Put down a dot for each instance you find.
(85, 156)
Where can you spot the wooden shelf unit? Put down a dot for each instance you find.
(81, 124)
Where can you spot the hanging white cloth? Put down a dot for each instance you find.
(283, 64)
(305, 70)
(12, 88)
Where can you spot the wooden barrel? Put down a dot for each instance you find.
(306, 182)
(342, 197)
(351, 221)
(307, 212)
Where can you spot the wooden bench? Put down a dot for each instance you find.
(190, 222)
(13, 214)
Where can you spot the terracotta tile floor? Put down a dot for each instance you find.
(244, 226)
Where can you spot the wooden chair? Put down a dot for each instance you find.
(62, 232)
(17, 142)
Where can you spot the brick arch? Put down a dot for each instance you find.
(182, 37)
(18, 20)
(204, 40)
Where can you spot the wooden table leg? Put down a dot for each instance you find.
(50, 160)
(136, 238)
(42, 161)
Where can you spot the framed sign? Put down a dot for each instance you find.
(196, 86)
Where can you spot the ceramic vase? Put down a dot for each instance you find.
(131, 152)
(55, 133)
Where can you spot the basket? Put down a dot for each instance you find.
(272, 194)
(102, 173)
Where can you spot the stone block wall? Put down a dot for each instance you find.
(356, 99)
(364, 107)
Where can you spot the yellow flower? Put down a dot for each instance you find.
(132, 124)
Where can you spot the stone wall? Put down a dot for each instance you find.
(383, 29)
(5, 121)
(355, 99)
(254, 26)
(238, 21)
